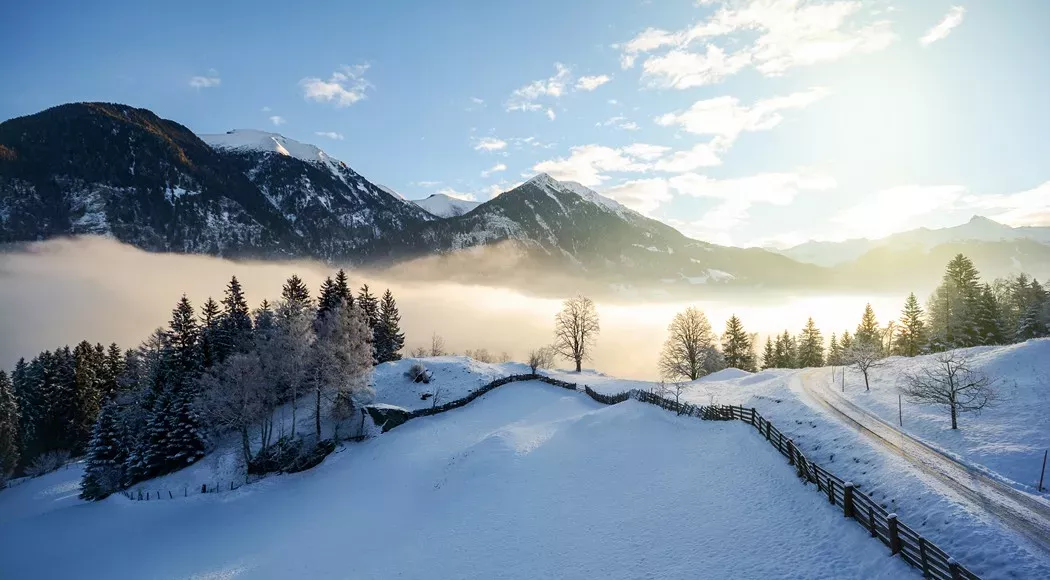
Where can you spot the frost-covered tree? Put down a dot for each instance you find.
(868, 331)
(911, 332)
(10, 440)
(437, 345)
(105, 461)
(342, 362)
(576, 329)
(291, 346)
(810, 346)
(952, 382)
(864, 356)
(389, 339)
(234, 399)
(689, 345)
(235, 322)
(369, 305)
(737, 347)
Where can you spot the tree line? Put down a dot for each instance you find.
(150, 410)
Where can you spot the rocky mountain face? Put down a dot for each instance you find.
(114, 170)
(443, 206)
(564, 225)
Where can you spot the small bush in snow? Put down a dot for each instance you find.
(418, 373)
(541, 358)
(47, 462)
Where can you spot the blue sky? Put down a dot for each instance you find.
(740, 122)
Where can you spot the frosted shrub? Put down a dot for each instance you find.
(418, 373)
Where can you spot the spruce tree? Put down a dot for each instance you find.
(736, 345)
(911, 332)
(113, 368)
(369, 305)
(769, 357)
(88, 368)
(868, 330)
(184, 357)
(295, 291)
(10, 419)
(184, 442)
(987, 318)
(952, 308)
(104, 465)
(236, 321)
(810, 346)
(389, 340)
(210, 333)
(834, 352)
(845, 343)
(342, 289)
(328, 298)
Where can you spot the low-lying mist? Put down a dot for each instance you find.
(63, 291)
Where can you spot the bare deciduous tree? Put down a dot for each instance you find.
(437, 345)
(480, 355)
(541, 358)
(951, 381)
(289, 350)
(673, 390)
(418, 352)
(865, 356)
(575, 330)
(233, 398)
(689, 351)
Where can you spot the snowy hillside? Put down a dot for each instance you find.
(254, 140)
(530, 481)
(444, 206)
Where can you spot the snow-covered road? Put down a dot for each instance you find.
(1021, 512)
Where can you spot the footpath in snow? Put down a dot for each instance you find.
(528, 481)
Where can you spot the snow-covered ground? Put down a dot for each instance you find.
(1007, 440)
(529, 481)
(961, 527)
(453, 377)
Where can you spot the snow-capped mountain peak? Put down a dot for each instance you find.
(255, 140)
(547, 183)
(445, 206)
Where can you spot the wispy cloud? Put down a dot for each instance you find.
(456, 194)
(618, 122)
(427, 183)
(489, 144)
(942, 29)
(589, 164)
(494, 169)
(278, 120)
(726, 118)
(770, 37)
(641, 195)
(589, 83)
(330, 134)
(527, 97)
(207, 81)
(344, 87)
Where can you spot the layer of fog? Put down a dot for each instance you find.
(63, 291)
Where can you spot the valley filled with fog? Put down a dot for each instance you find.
(63, 291)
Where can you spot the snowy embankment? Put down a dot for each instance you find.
(528, 481)
(962, 528)
(1006, 440)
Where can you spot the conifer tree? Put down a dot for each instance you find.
(987, 318)
(235, 321)
(295, 290)
(389, 340)
(328, 298)
(210, 333)
(342, 289)
(911, 332)
(736, 346)
(952, 308)
(87, 389)
(769, 357)
(10, 440)
(810, 346)
(845, 344)
(114, 367)
(868, 332)
(184, 360)
(369, 305)
(104, 465)
(184, 442)
(834, 352)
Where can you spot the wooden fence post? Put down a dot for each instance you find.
(895, 538)
(791, 452)
(768, 425)
(922, 557)
(871, 521)
(169, 495)
(752, 416)
(847, 499)
(953, 569)
(831, 490)
(204, 488)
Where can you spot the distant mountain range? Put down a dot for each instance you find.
(114, 170)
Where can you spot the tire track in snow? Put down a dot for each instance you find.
(1015, 509)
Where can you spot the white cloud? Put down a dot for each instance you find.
(427, 183)
(944, 27)
(701, 155)
(266, 109)
(895, 209)
(618, 122)
(330, 134)
(206, 81)
(344, 87)
(641, 195)
(737, 196)
(526, 98)
(550, 114)
(772, 36)
(726, 118)
(494, 169)
(587, 164)
(278, 120)
(680, 69)
(1025, 208)
(630, 126)
(477, 101)
(489, 144)
(589, 83)
(645, 151)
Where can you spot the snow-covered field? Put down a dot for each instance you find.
(1007, 440)
(528, 481)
